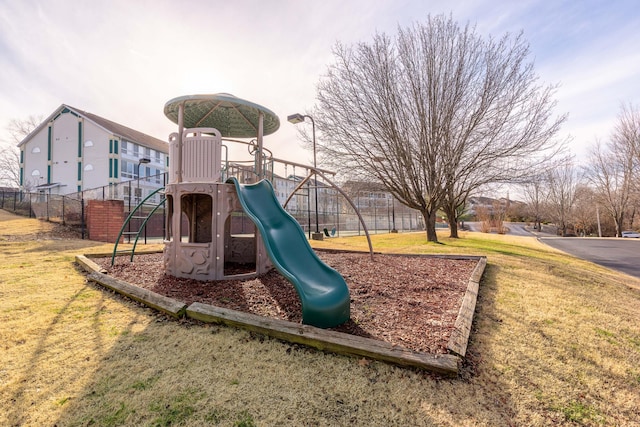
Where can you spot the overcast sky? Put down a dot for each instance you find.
(123, 60)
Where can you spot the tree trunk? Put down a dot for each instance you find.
(453, 229)
(453, 221)
(619, 225)
(430, 224)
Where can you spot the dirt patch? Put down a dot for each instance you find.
(409, 301)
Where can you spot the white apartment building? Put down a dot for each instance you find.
(73, 150)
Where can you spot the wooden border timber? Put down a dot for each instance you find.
(325, 340)
(89, 265)
(462, 329)
(164, 304)
(322, 339)
(159, 302)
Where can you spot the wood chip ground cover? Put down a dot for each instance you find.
(407, 301)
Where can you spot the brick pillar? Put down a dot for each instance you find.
(104, 219)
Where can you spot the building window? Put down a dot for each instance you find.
(127, 169)
(34, 151)
(123, 147)
(35, 172)
(136, 150)
(88, 167)
(88, 143)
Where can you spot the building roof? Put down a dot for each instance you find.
(121, 131)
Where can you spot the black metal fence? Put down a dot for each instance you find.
(65, 210)
(381, 215)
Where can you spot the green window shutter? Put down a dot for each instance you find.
(22, 156)
(110, 146)
(48, 174)
(79, 188)
(21, 176)
(115, 146)
(79, 171)
(110, 168)
(49, 144)
(115, 168)
(79, 139)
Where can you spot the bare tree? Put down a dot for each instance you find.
(610, 172)
(585, 211)
(483, 215)
(626, 138)
(535, 195)
(626, 134)
(613, 169)
(434, 114)
(563, 182)
(9, 165)
(10, 154)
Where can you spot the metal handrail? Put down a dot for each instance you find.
(126, 222)
(332, 184)
(144, 224)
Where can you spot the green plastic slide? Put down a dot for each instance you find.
(322, 290)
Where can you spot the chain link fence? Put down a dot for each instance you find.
(66, 210)
(334, 215)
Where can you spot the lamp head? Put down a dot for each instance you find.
(144, 160)
(295, 118)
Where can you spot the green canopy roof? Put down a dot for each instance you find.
(233, 117)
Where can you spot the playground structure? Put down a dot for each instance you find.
(206, 236)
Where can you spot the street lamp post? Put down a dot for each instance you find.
(299, 118)
(142, 161)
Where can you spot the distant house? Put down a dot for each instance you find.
(73, 150)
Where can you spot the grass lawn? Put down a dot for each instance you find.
(555, 341)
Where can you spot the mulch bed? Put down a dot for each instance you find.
(408, 301)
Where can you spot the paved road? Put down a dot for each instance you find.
(513, 228)
(618, 254)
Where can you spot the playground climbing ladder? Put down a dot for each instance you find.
(138, 214)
